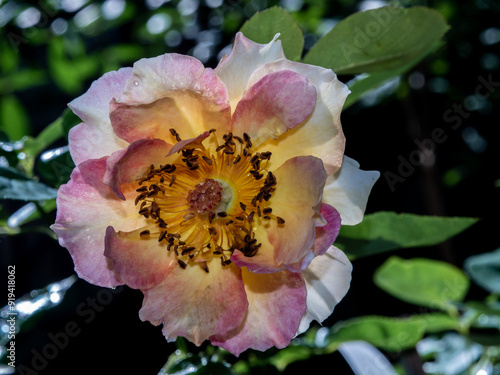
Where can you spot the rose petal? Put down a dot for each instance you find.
(264, 261)
(276, 103)
(327, 281)
(170, 91)
(348, 191)
(157, 77)
(85, 208)
(327, 234)
(277, 302)
(297, 200)
(192, 143)
(195, 304)
(245, 57)
(94, 138)
(132, 163)
(321, 135)
(141, 262)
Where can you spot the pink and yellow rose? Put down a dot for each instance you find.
(216, 192)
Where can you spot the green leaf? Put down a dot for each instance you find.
(389, 334)
(290, 354)
(484, 269)
(12, 173)
(120, 55)
(423, 282)
(385, 231)
(438, 322)
(378, 39)
(9, 59)
(362, 85)
(25, 190)
(263, 26)
(69, 64)
(13, 118)
(54, 131)
(22, 80)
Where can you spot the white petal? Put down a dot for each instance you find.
(245, 57)
(348, 191)
(327, 281)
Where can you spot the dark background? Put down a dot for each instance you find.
(462, 180)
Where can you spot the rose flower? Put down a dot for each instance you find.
(216, 192)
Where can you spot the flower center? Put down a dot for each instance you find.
(205, 197)
(206, 204)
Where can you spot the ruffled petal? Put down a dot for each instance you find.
(348, 191)
(245, 57)
(170, 91)
(141, 261)
(297, 200)
(327, 281)
(276, 103)
(277, 302)
(94, 138)
(195, 304)
(327, 234)
(321, 135)
(86, 207)
(325, 237)
(132, 163)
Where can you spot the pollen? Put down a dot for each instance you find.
(205, 196)
(208, 202)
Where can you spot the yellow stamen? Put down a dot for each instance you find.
(206, 205)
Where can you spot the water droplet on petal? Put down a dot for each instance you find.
(136, 83)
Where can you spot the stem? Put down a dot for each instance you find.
(49, 135)
(182, 345)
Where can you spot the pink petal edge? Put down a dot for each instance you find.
(94, 137)
(141, 263)
(170, 91)
(132, 163)
(277, 303)
(195, 304)
(327, 234)
(85, 208)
